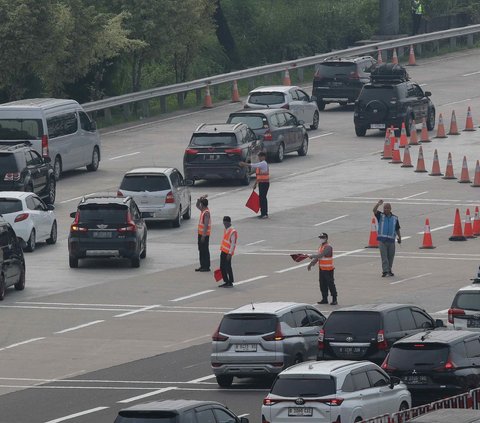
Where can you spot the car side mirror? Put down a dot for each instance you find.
(243, 420)
(394, 380)
(93, 126)
(300, 122)
(439, 323)
(73, 214)
(313, 98)
(50, 207)
(188, 183)
(427, 93)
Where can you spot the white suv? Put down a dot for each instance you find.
(334, 391)
(464, 314)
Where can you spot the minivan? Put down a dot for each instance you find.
(56, 128)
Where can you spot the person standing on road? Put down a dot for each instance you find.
(204, 229)
(227, 249)
(326, 269)
(417, 14)
(388, 227)
(262, 172)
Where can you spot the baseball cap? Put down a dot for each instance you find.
(323, 235)
(227, 219)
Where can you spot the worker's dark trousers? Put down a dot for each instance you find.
(327, 283)
(226, 268)
(204, 252)
(262, 193)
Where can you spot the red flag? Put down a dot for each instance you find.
(217, 274)
(298, 257)
(253, 202)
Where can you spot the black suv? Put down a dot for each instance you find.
(106, 225)
(366, 332)
(340, 79)
(437, 364)
(391, 99)
(12, 262)
(23, 169)
(215, 151)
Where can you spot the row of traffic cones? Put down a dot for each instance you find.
(411, 57)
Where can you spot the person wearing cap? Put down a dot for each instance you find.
(227, 249)
(388, 227)
(262, 172)
(204, 229)
(326, 268)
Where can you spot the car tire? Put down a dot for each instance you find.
(53, 234)
(246, 179)
(408, 124)
(279, 155)
(57, 168)
(188, 213)
(93, 166)
(403, 406)
(29, 187)
(20, 285)
(73, 262)
(431, 119)
(177, 220)
(224, 381)
(360, 131)
(135, 262)
(316, 120)
(303, 150)
(143, 254)
(320, 105)
(30, 247)
(52, 191)
(2, 287)
(298, 359)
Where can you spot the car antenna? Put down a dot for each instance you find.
(425, 336)
(253, 307)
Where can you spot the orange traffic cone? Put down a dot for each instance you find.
(407, 161)
(440, 128)
(387, 146)
(235, 94)
(453, 125)
(476, 179)
(476, 223)
(411, 57)
(464, 176)
(424, 133)
(403, 136)
(427, 236)
(469, 123)
(435, 166)
(395, 151)
(420, 162)
(449, 169)
(372, 241)
(208, 99)
(395, 57)
(467, 229)
(413, 134)
(457, 234)
(379, 57)
(286, 78)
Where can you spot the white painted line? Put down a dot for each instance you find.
(414, 195)
(129, 313)
(71, 199)
(192, 295)
(456, 102)
(81, 413)
(244, 415)
(322, 135)
(423, 85)
(437, 229)
(124, 155)
(85, 325)
(473, 73)
(201, 379)
(28, 341)
(442, 311)
(256, 278)
(254, 243)
(409, 279)
(405, 237)
(331, 220)
(149, 394)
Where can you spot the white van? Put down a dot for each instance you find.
(57, 128)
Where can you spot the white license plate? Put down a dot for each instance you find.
(300, 411)
(351, 350)
(246, 347)
(211, 156)
(102, 234)
(377, 126)
(473, 323)
(416, 380)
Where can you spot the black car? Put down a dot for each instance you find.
(340, 79)
(391, 99)
(215, 150)
(436, 364)
(366, 332)
(107, 225)
(23, 169)
(12, 262)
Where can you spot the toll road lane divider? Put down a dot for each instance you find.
(85, 325)
(410, 279)
(148, 394)
(28, 341)
(129, 313)
(331, 220)
(73, 416)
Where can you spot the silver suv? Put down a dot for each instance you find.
(262, 339)
(465, 310)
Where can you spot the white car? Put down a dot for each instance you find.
(291, 98)
(31, 219)
(334, 391)
(464, 313)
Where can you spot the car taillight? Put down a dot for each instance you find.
(131, 227)
(191, 151)
(276, 336)
(267, 136)
(218, 337)
(268, 401)
(234, 151)
(385, 366)
(22, 216)
(45, 145)
(169, 199)
(381, 342)
(334, 402)
(452, 312)
(354, 75)
(12, 176)
(321, 337)
(449, 365)
(285, 106)
(246, 106)
(74, 226)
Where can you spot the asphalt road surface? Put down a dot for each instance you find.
(79, 344)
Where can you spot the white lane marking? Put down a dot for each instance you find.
(406, 203)
(256, 278)
(120, 305)
(322, 135)
(71, 199)
(472, 73)
(456, 102)
(423, 85)
(331, 220)
(437, 229)
(28, 341)
(85, 325)
(410, 279)
(244, 415)
(442, 311)
(196, 294)
(129, 313)
(414, 195)
(149, 394)
(201, 379)
(81, 413)
(124, 155)
(406, 237)
(254, 243)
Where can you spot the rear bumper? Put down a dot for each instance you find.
(248, 370)
(99, 248)
(333, 95)
(214, 172)
(377, 357)
(159, 213)
(363, 122)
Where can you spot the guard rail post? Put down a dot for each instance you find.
(470, 40)
(300, 75)
(216, 91)
(475, 393)
(180, 100)
(145, 108)
(126, 111)
(251, 83)
(107, 115)
(453, 42)
(198, 96)
(163, 104)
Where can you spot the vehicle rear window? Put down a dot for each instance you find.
(295, 386)
(267, 98)
(8, 162)
(10, 205)
(248, 324)
(348, 322)
(467, 301)
(21, 129)
(213, 140)
(382, 93)
(334, 69)
(422, 356)
(252, 121)
(99, 213)
(148, 183)
(146, 417)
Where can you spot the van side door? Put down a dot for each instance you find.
(88, 136)
(63, 136)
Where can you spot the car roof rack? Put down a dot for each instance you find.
(112, 195)
(8, 146)
(389, 73)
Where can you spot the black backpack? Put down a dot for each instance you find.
(389, 72)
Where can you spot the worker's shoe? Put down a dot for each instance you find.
(203, 270)
(384, 274)
(391, 274)
(334, 302)
(324, 301)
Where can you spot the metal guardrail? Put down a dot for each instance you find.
(154, 93)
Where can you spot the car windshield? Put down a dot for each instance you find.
(7, 162)
(146, 417)
(382, 93)
(353, 322)
(252, 121)
(10, 205)
(213, 140)
(334, 69)
(421, 356)
(99, 213)
(248, 324)
(467, 300)
(295, 386)
(21, 129)
(267, 98)
(148, 183)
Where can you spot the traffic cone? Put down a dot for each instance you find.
(449, 169)
(395, 57)
(403, 136)
(464, 176)
(235, 94)
(476, 179)
(411, 57)
(440, 128)
(469, 123)
(379, 57)
(424, 133)
(373, 241)
(457, 234)
(435, 166)
(286, 78)
(453, 125)
(407, 161)
(427, 237)
(395, 152)
(467, 229)
(476, 223)
(420, 162)
(387, 146)
(207, 104)
(413, 134)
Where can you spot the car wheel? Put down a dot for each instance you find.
(408, 124)
(431, 119)
(53, 234)
(73, 262)
(246, 179)
(280, 153)
(358, 419)
(403, 406)
(20, 285)
(188, 212)
(52, 191)
(2, 287)
(304, 148)
(30, 247)
(135, 262)
(93, 166)
(57, 168)
(298, 359)
(360, 131)
(224, 381)
(29, 187)
(176, 221)
(143, 254)
(320, 105)
(316, 119)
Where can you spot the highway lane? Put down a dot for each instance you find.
(70, 322)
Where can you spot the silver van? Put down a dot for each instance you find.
(56, 128)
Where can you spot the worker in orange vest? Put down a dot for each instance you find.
(262, 172)
(204, 229)
(227, 249)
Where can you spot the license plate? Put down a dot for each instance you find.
(416, 380)
(377, 126)
(99, 234)
(211, 156)
(335, 84)
(300, 411)
(352, 350)
(246, 347)
(147, 214)
(473, 323)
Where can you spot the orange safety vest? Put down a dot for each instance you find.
(227, 235)
(325, 263)
(201, 224)
(262, 176)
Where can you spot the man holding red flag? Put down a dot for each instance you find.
(262, 172)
